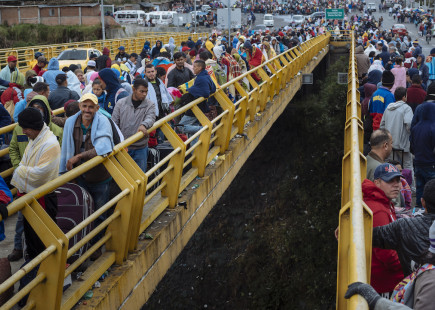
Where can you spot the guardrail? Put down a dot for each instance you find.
(134, 210)
(355, 227)
(26, 55)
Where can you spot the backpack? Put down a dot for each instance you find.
(221, 77)
(119, 92)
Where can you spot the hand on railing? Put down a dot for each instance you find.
(366, 291)
(72, 161)
(143, 129)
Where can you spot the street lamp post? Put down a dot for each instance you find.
(102, 20)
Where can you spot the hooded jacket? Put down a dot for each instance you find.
(146, 50)
(378, 103)
(19, 139)
(104, 60)
(156, 50)
(21, 105)
(362, 61)
(416, 95)
(423, 70)
(423, 136)
(397, 119)
(385, 56)
(376, 65)
(369, 89)
(386, 269)
(5, 74)
(112, 88)
(52, 72)
(408, 236)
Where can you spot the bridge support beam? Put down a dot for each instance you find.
(129, 286)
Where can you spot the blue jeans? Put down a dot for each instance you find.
(191, 125)
(423, 174)
(140, 156)
(100, 194)
(19, 229)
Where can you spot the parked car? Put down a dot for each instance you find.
(400, 30)
(317, 15)
(76, 56)
(371, 7)
(268, 20)
(256, 28)
(298, 19)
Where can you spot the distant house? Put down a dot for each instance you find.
(50, 14)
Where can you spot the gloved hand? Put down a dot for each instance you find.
(3, 211)
(365, 290)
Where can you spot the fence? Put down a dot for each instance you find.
(26, 55)
(134, 210)
(355, 227)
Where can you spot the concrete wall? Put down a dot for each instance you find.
(50, 16)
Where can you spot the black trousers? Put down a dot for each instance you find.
(34, 244)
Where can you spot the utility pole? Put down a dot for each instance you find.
(194, 23)
(102, 20)
(229, 20)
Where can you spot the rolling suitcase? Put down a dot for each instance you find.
(74, 205)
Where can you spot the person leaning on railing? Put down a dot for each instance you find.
(416, 291)
(88, 134)
(39, 165)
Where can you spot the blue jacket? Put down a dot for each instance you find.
(203, 85)
(4, 188)
(423, 71)
(21, 105)
(378, 103)
(112, 86)
(52, 72)
(423, 136)
(385, 56)
(431, 66)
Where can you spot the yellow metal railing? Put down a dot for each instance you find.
(133, 210)
(26, 59)
(355, 227)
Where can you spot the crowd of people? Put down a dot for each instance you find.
(112, 99)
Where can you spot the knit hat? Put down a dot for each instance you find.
(31, 118)
(430, 92)
(247, 45)
(432, 238)
(387, 78)
(415, 42)
(432, 51)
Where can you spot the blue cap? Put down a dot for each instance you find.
(38, 54)
(121, 48)
(386, 172)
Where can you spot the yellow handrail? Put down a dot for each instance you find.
(127, 222)
(26, 59)
(355, 227)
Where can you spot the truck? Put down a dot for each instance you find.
(236, 18)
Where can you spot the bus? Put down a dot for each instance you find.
(130, 17)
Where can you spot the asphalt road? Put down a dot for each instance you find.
(284, 20)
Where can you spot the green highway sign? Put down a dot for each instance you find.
(334, 13)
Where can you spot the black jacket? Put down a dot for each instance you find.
(408, 236)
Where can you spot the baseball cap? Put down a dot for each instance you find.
(42, 59)
(90, 97)
(91, 63)
(121, 48)
(386, 172)
(12, 58)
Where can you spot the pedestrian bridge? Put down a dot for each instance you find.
(155, 213)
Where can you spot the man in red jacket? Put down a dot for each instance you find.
(415, 94)
(386, 269)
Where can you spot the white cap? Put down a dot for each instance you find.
(91, 63)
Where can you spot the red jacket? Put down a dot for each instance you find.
(39, 71)
(416, 95)
(255, 59)
(13, 92)
(386, 268)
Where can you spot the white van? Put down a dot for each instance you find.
(268, 20)
(162, 17)
(130, 16)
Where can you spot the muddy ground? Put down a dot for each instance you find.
(268, 243)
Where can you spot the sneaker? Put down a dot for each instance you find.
(15, 255)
